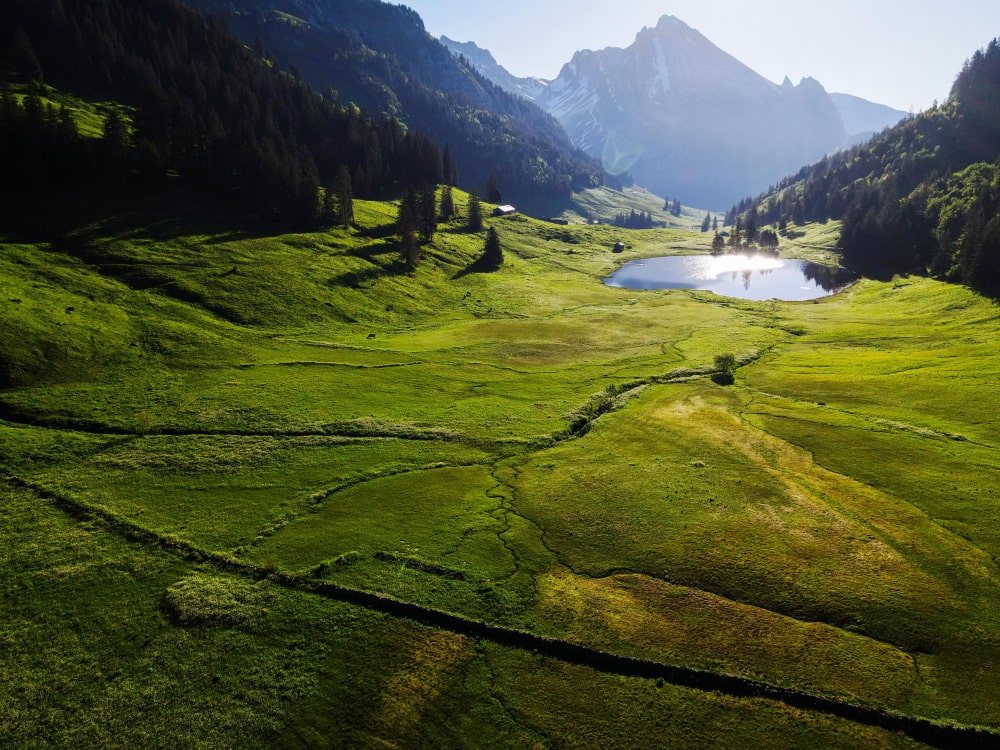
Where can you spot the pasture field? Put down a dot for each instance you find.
(199, 426)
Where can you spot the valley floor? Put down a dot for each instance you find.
(203, 428)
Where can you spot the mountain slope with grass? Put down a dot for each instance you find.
(347, 485)
(306, 405)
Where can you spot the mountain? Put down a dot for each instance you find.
(687, 119)
(487, 66)
(921, 197)
(380, 57)
(863, 118)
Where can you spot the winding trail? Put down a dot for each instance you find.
(937, 734)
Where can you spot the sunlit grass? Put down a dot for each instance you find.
(305, 403)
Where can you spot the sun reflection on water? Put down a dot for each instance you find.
(707, 267)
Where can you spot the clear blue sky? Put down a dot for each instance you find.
(904, 53)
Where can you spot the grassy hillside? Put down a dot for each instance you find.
(185, 404)
(604, 204)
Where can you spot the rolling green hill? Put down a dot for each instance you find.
(302, 405)
(274, 488)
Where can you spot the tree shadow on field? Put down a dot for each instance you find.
(478, 266)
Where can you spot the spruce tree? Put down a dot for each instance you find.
(406, 224)
(474, 222)
(718, 244)
(427, 213)
(706, 223)
(345, 197)
(492, 252)
(751, 227)
(736, 238)
(447, 211)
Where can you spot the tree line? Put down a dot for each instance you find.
(634, 220)
(198, 104)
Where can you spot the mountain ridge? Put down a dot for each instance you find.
(612, 117)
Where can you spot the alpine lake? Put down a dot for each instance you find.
(751, 277)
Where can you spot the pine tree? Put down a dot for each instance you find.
(474, 222)
(427, 213)
(706, 223)
(328, 210)
(715, 224)
(409, 248)
(492, 252)
(406, 226)
(345, 197)
(751, 227)
(718, 244)
(447, 211)
(736, 238)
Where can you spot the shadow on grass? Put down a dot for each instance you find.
(479, 266)
(104, 212)
(374, 250)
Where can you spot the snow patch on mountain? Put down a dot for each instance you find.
(661, 78)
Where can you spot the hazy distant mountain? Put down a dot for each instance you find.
(863, 118)
(689, 120)
(923, 196)
(484, 62)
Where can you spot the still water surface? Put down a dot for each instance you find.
(753, 277)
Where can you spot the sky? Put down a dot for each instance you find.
(904, 53)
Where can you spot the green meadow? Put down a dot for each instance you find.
(525, 447)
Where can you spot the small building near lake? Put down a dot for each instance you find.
(504, 211)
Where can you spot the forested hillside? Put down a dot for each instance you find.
(923, 196)
(381, 57)
(196, 104)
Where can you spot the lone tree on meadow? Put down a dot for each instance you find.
(474, 223)
(725, 369)
(492, 253)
